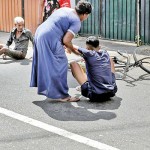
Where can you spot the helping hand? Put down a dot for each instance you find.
(67, 50)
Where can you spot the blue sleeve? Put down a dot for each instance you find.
(85, 52)
(75, 27)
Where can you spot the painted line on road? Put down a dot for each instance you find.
(58, 131)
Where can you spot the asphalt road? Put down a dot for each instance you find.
(32, 122)
(123, 122)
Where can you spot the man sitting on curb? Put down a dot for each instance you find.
(21, 37)
(98, 83)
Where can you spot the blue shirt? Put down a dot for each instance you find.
(98, 68)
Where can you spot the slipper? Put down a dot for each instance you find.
(73, 99)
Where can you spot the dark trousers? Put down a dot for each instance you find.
(86, 91)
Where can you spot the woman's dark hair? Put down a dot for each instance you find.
(83, 7)
(93, 41)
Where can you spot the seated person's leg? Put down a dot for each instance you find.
(86, 89)
(112, 66)
(81, 77)
(78, 73)
(15, 54)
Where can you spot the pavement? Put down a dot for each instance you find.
(29, 121)
(110, 45)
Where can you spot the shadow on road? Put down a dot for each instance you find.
(10, 60)
(80, 111)
(132, 81)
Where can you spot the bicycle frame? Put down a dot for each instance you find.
(125, 65)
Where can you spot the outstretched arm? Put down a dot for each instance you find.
(75, 47)
(68, 44)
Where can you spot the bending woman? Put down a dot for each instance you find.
(50, 64)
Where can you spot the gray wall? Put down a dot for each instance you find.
(116, 19)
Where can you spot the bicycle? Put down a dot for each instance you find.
(141, 57)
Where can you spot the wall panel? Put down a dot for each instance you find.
(31, 14)
(92, 24)
(145, 21)
(9, 9)
(110, 19)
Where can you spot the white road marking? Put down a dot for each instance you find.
(94, 111)
(56, 130)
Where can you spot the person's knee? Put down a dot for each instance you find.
(23, 56)
(19, 56)
(73, 65)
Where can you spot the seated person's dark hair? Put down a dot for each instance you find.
(83, 7)
(93, 41)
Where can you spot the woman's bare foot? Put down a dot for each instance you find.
(64, 99)
(69, 99)
(74, 99)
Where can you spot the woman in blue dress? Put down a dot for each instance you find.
(50, 64)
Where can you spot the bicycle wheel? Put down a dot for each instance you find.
(141, 56)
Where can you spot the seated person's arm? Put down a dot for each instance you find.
(10, 40)
(75, 47)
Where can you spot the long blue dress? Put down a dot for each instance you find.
(50, 64)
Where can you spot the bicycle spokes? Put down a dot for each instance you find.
(142, 57)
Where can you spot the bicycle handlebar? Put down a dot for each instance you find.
(127, 64)
(123, 54)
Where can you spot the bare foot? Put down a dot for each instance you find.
(73, 99)
(64, 99)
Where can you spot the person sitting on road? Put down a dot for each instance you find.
(21, 37)
(98, 83)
